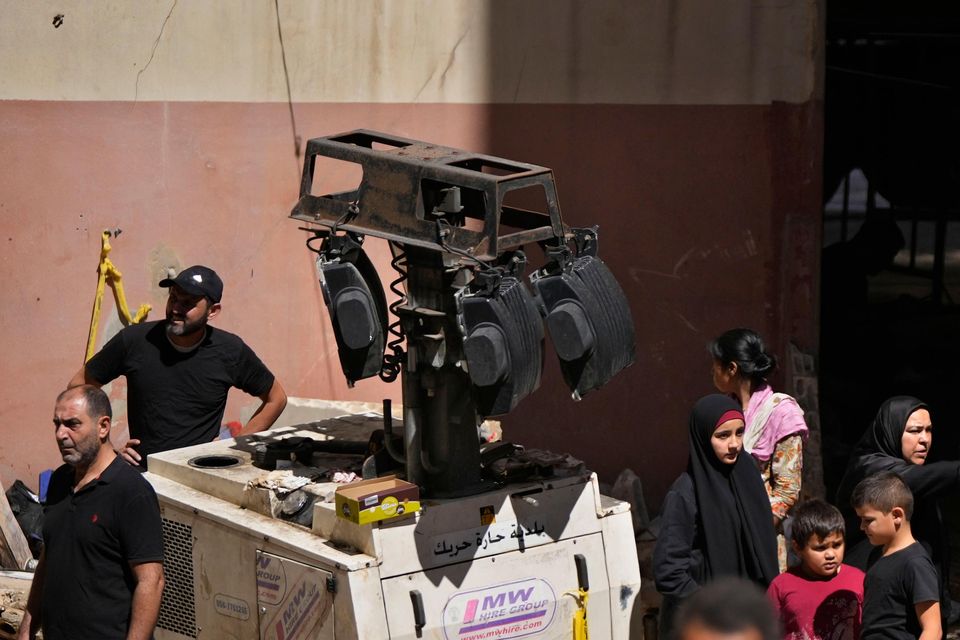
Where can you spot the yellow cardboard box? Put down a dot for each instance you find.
(367, 501)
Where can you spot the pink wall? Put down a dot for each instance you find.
(709, 217)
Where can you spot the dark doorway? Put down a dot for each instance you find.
(890, 306)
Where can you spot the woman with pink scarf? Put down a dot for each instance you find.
(775, 427)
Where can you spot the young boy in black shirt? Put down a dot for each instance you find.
(901, 593)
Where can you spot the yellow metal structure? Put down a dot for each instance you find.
(108, 272)
(580, 617)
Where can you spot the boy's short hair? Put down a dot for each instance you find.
(883, 491)
(814, 517)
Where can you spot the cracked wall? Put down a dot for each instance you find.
(690, 133)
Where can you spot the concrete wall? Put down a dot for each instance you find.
(689, 131)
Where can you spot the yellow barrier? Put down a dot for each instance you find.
(109, 272)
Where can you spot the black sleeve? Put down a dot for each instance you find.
(250, 374)
(141, 529)
(935, 478)
(107, 363)
(921, 580)
(672, 561)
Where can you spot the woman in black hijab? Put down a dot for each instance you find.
(899, 440)
(716, 519)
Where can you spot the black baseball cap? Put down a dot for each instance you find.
(199, 281)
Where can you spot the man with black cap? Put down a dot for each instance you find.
(180, 369)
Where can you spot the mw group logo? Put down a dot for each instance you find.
(271, 580)
(507, 610)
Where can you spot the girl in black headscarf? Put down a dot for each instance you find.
(899, 440)
(716, 519)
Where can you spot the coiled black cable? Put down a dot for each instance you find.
(392, 362)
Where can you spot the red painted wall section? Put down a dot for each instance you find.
(709, 217)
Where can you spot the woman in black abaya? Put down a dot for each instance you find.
(899, 440)
(716, 519)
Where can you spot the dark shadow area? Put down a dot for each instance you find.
(698, 205)
(890, 280)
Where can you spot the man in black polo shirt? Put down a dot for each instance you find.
(100, 574)
(180, 369)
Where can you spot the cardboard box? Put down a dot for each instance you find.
(377, 499)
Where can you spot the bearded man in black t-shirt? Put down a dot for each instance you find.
(100, 574)
(180, 369)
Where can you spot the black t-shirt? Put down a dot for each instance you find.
(893, 586)
(176, 399)
(90, 538)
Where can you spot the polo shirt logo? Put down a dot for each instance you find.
(93, 518)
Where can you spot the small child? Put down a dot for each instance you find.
(901, 590)
(821, 598)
